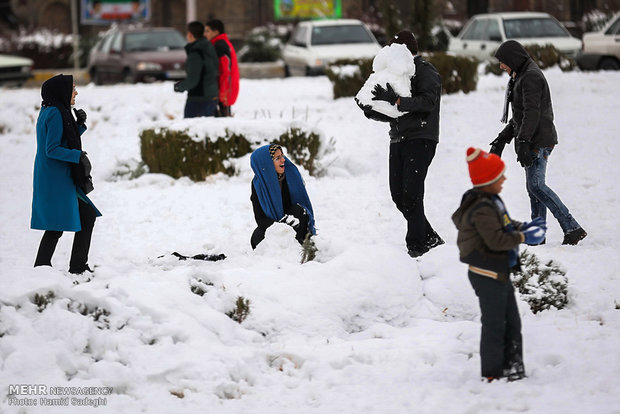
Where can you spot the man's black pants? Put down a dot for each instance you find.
(81, 242)
(409, 162)
(501, 345)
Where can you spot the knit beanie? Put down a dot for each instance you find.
(406, 38)
(484, 168)
(273, 148)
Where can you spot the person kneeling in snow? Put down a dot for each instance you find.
(488, 240)
(279, 195)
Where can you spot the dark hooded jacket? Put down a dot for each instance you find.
(421, 120)
(487, 236)
(201, 68)
(532, 111)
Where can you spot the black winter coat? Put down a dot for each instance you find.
(532, 111)
(422, 118)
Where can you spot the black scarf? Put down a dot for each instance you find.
(508, 100)
(57, 92)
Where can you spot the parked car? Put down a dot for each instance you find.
(601, 50)
(483, 34)
(134, 55)
(314, 44)
(14, 70)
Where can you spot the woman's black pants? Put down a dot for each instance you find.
(81, 242)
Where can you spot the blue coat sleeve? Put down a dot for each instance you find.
(53, 147)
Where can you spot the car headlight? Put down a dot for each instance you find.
(148, 66)
(25, 69)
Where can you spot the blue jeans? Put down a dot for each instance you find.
(542, 197)
(196, 109)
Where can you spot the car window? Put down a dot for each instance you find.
(477, 30)
(153, 41)
(493, 32)
(614, 29)
(299, 37)
(328, 35)
(534, 27)
(116, 43)
(106, 42)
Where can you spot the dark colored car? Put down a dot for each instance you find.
(138, 55)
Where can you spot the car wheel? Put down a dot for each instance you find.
(128, 77)
(95, 76)
(287, 71)
(608, 63)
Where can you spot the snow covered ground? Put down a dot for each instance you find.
(363, 329)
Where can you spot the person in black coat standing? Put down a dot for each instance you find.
(534, 132)
(413, 140)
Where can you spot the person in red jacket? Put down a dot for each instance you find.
(229, 69)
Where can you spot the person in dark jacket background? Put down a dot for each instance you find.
(201, 68)
(413, 141)
(534, 132)
(228, 66)
(488, 241)
(279, 195)
(61, 176)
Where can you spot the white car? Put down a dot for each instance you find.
(601, 50)
(483, 34)
(15, 70)
(314, 44)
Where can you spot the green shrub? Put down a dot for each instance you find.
(458, 73)
(41, 301)
(541, 286)
(241, 310)
(177, 154)
(545, 57)
(348, 76)
(302, 147)
(261, 45)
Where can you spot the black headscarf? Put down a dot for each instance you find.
(57, 92)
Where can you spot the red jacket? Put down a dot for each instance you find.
(229, 69)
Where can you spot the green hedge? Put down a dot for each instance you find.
(457, 73)
(177, 154)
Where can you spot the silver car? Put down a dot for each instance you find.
(314, 44)
(483, 34)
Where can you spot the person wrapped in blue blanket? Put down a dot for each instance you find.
(279, 195)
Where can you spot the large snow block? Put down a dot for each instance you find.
(196, 148)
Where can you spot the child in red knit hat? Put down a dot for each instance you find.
(488, 241)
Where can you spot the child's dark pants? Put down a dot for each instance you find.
(501, 346)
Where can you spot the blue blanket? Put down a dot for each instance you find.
(267, 187)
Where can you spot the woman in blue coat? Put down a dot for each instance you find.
(61, 176)
(279, 195)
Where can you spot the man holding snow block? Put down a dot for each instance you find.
(534, 132)
(414, 135)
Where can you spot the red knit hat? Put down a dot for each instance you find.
(484, 168)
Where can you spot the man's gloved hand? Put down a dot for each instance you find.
(534, 235)
(80, 116)
(537, 222)
(85, 162)
(372, 114)
(497, 147)
(177, 86)
(524, 153)
(388, 95)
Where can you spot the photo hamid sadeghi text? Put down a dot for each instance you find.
(30, 395)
